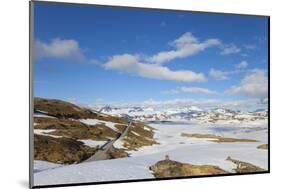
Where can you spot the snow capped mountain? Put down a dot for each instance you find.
(222, 115)
(193, 113)
(136, 109)
(105, 109)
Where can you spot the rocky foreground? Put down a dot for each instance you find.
(168, 168)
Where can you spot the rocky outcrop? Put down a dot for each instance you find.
(218, 139)
(244, 167)
(115, 153)
(263, 147)
(138, 135)
(169, 168)
(61, 109)
(60, 150)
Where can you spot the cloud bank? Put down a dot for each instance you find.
(218, 74)
(223, 75)
(127, 63)
(254, 84)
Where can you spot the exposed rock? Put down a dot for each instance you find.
(263, 147)
(105, 109)
(244, 167)
(117, 153)
(169, 168)
(218, 139)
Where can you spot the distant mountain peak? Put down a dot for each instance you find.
(195, 108)
(106, 108)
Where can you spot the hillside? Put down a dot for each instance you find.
(66, 133)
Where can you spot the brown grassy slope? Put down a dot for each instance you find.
(75, 129)
(169, 168)
(138, 136)
(66, 125)
(60, 150)
(218, 139)
(62, 109)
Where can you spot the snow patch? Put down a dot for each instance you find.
(93, 143)
(45, 132)
(137, 134)
(93, 122)
(146, 128)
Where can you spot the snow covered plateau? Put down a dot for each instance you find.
(187, 135)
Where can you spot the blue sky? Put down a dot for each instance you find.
(102, 54)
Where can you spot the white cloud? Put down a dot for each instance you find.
(184, 46)
(223, 75)
(229, 49)
(196, 90)
(58, 48)
(128, 63)
(254, 84)
(218, 74)
(242, 65)
(124, 63)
